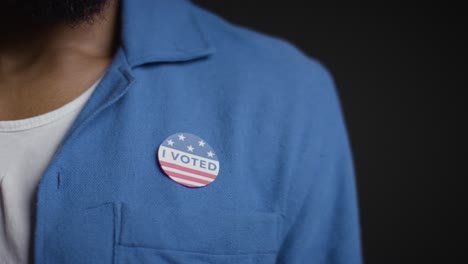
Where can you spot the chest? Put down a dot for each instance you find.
(107, 199)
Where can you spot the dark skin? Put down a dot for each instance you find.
(43, 68)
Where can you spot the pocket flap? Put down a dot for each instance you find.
(208, 231)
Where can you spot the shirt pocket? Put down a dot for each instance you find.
(149, 234)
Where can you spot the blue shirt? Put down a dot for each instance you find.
(285, 190)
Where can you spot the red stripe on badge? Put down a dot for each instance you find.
(187, 177)
(182, 168)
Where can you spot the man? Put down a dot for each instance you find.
(142, 131)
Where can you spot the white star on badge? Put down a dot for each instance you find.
(181, 137)
(170, 142)
(210, 154)
(201, 143)
(190, 148)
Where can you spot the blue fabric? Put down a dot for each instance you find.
(285, 192)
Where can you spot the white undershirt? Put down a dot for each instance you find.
(26, 148)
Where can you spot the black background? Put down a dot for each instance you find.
(399, 72)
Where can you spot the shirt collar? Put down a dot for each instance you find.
(161, 31)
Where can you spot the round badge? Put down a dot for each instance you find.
(188, 160)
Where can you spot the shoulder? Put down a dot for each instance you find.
(269, 63)
(270, 85)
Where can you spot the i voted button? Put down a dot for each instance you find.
(188, 160)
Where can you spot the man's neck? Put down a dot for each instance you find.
(41, 71)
